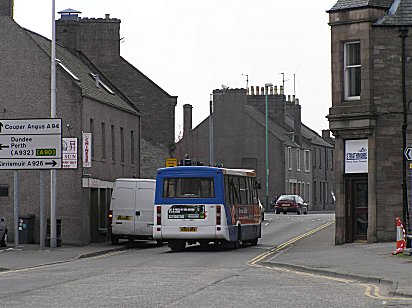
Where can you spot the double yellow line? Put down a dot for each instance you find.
(274, 250)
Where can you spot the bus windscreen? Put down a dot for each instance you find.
(188, 188)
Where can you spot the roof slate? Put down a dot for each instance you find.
(400, 14)
(353, 4)
(308, 133)
(82, 70)
(273, 128)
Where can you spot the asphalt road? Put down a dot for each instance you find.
(150, 276)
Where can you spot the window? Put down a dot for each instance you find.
(289, 158)
(298, 159)
(4, 190)
(352, 66)
(188, 188)
(307, 160)
(67, 70)
(103, 140)
(121, 145)
(314, 192)
(113, 144)
(92, 132)
(332, 161)
(132, 147)
(314, 158)
(320, 158)
(308, 192)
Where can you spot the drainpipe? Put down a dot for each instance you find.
(403, 34)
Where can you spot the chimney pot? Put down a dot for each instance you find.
(107, 16)
(276, 90)
(281, 90)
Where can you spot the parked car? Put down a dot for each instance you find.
(3, 233)
(291, 203)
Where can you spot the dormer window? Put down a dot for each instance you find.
(101, 83)
(67, 70)
(352, 66)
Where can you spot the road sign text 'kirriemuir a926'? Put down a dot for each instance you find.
(30, 144)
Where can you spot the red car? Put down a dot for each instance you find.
(291, 203)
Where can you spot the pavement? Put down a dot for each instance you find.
(316, 254)
(362, 262)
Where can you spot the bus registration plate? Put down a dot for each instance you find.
(188, 229)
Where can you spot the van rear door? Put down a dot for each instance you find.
(124, 208)
(144, 209)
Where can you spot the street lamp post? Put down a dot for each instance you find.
(211, 158)
(267, 145)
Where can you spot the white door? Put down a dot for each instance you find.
(124, 210)
(144, 211)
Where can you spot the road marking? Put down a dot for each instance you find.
(282, 246)
(371, 291)
(375, 294)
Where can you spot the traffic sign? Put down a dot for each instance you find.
(408, 153)
(171, 162)
(30, 144)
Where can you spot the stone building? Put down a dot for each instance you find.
(86, 102)
(99, 40)
(369, 116)
(239, 130)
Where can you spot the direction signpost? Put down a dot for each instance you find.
(33, 144)
(30, 144)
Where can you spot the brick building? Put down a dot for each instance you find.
(368, 114)
(239, 142)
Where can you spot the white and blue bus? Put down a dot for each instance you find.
(200, 204)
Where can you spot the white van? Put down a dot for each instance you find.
(131, 210)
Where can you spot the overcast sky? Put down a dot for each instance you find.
(190, 47)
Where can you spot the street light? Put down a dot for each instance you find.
(267, 85)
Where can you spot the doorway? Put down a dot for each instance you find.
(356, 208)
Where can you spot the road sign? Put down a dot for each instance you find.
(30, 144)
(408, 153)
(171, 162)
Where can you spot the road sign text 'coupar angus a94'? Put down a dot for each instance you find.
(30, 144)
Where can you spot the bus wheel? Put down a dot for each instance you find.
(254, 242)
(177, 245)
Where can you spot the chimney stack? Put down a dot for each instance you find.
(187, 119)
(325, 133)
(297, 122)
(6, 8)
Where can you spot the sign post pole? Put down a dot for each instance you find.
(16, 209)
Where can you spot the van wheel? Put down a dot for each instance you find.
(159, 243)
(177, 245)
(254, 242)
(114, 239)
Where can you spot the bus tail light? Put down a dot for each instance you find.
(218, 215)
(158, 215)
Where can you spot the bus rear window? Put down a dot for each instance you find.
(188, 188)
